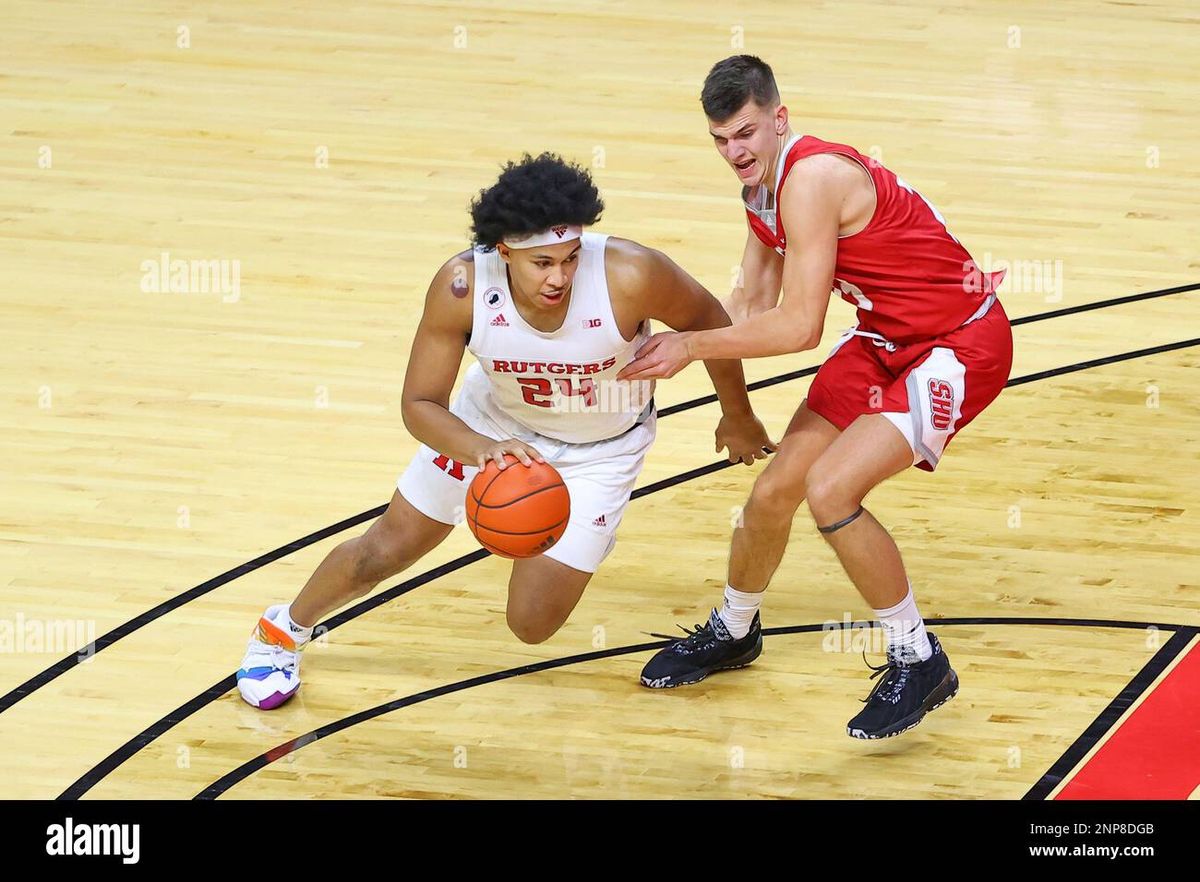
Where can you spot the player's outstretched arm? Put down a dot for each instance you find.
(811, 209)
(437, 353)
(668, 294)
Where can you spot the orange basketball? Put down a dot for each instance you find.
(518, 512)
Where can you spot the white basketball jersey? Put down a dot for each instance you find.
(562, 384)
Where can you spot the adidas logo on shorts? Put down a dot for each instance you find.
(499, 322)
(599, 522)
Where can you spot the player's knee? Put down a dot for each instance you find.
(532, 628)
(828, 493)
(777, 491)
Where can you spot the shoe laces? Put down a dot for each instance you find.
(895, 676)
(284, 659)
(696, 637)
(280, 658)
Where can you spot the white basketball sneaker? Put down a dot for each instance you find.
(270, 672)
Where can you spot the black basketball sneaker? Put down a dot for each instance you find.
(906, 693)
(708, 648)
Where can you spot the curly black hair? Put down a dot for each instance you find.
(533, 195)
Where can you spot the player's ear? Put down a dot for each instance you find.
(781, 119)
(505, 252)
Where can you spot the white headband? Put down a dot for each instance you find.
(553, 236)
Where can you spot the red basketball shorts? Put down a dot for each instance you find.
(929, 389)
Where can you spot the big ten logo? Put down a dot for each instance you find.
(599, 637)
(321, 158)
(851, 636)
(1013, 757)
(1014, 517)
(451, 467)
(459, 756)
(1152, 396)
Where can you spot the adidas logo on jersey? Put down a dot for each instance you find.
(499, 322)
(599, 522)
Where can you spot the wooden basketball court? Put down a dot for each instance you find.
(176, 460)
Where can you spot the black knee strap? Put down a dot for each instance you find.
(833, 528)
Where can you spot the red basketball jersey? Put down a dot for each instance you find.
(907, 274)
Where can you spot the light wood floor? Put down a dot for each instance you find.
(154, 441)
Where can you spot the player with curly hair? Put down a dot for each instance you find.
(551, 313)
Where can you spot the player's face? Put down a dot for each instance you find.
(749, 140)
(543, 275)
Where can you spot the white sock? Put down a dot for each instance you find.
(737, 612)
(283, 618)
(905, 629)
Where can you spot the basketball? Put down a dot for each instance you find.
(518, 512)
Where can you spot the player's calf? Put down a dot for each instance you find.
(270, 671)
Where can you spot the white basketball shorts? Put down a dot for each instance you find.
(599, 476)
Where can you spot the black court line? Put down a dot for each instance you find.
(225, 684)
(64, 665)
(246, 769)
(1097, 362)
(1024, 320)
(112, 761)
(1108, 718)
(105, 640)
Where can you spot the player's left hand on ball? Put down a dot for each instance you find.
(662, 356)
(745, 437)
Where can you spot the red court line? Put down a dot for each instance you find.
(1155, 754)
